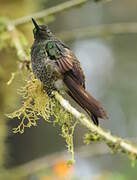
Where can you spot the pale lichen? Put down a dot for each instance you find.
(36, 104)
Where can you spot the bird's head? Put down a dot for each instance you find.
(41, 31)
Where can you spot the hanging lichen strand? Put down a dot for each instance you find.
(37, 104)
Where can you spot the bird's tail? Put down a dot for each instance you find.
(85, 100)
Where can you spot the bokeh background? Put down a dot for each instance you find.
(110, 64)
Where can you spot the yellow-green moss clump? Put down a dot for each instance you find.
(36, 104)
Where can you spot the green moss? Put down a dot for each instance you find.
(91, 137)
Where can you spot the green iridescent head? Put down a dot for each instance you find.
(41, 31)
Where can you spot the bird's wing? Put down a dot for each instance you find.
(66, 61)
(57, 53)
(75, 80)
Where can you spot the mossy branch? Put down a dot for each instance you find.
(18, 45)
(116, 143)
(16, 41)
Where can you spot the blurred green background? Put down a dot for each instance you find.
(110, 65)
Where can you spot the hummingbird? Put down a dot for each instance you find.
(56, 66)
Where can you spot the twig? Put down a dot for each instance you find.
(51, 11)
(47, 12)
(114, 141)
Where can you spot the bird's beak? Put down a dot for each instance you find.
(35, 24)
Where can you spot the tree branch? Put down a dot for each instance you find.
(16, 41)
(47, 12)
(22, 55)
(113, 141)
(51, 11)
